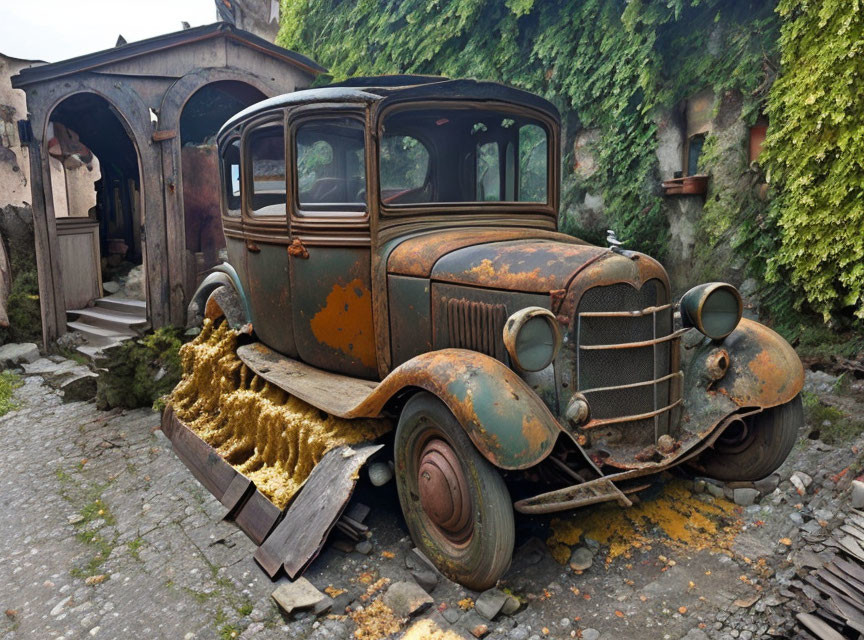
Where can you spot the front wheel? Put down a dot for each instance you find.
(752, 448)
(456, 504)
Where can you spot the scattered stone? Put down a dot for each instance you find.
(75, 518)
(426, 578)
(715, 490)
(590, 634)
(475, 625)
(767, 485)
(511, 606)
(79, 386)
(490, 602)
(581, 559)
(800, 481)
(297, 595)
(18, 353)
(380, 473)
(744, 496)
(699, 486)
(857, 494)
(323, 606)
(407, 599)
(451, 615)
(695, 634)
(364, 547)
(111, 287)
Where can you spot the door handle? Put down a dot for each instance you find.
(298, 250)
(252, 247)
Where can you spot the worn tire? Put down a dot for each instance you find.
(771, 436)
(429, 438)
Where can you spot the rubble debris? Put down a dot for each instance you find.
(18, 353)
(490, 602)
(407, 599)
(857, 498)
(581, 559)
(475, 625)
(380, 473)
(426, 578)
(375, 621)
(297, 595)
(745, 496)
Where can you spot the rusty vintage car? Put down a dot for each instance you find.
(393, 250)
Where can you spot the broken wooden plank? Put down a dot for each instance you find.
(358, 511)
(257, 516)
(298, 538)
(226, 484)
(822, 630)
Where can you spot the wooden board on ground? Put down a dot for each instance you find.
(298, 538)
(343, 393)
(220, 478)
(257, 516)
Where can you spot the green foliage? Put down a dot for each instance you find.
(139, 372)
(813, 153)
(8, 383)
(609, 65)
(25, 319)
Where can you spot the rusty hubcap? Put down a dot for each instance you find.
(444, 492)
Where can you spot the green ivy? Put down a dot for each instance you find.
(813, 154)
(607, 64)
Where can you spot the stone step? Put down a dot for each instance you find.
(100, 336)
(110, 319)
(126, 305)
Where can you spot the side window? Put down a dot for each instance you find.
(231, 176)
(532, 164)
(267, 162)
(488, 172)
(404, 169)
(331, 165)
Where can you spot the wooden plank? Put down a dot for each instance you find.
(819, 627)
(358, 511)
(306, 382)
(257, 516)
(300, 535)
(207, 465)
(850, 568)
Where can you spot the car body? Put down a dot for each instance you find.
(397, 236)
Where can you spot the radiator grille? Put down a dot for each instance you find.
(625, 364)
(477, 326)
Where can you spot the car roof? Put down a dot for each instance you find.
(398, 88)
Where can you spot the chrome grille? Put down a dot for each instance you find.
(477, 326)
(627, 364)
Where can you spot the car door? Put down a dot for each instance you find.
(330, 258)
(265, 229)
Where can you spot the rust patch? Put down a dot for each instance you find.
(536, 434)
(345, 322)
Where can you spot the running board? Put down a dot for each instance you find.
(305, 523)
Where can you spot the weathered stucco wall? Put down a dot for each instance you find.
(14, 161)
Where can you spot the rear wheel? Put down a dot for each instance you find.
(754, 447)
(456, 504)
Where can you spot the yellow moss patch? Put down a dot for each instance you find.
(428, 630)
(682, 519)
(272, 438)
(375, 621)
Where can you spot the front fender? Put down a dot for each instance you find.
(505, 419)
(762, 371)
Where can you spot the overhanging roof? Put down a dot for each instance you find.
(95, 60)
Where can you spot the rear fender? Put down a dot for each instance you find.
(753, 367)
(505, 419)
(222, 275)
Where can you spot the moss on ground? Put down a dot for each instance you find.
(828, 423)
(8, 383)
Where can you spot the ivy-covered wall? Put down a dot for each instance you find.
(619, 71)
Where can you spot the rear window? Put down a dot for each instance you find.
(231, 176)
(267, 159)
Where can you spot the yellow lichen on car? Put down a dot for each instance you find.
(271, 437)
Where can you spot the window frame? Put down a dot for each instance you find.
(545, 121)
(336, 215)
(270, 120)
(225, 181)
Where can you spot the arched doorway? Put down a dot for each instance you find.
(201, 118)
(95, 188)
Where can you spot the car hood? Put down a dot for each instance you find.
(532, 261)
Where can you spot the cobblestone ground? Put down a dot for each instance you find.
(107, 535)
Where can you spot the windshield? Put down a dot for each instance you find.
(462, 156)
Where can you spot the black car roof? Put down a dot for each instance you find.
(398, 88)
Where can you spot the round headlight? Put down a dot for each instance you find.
(714, 309)
(532, 338)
